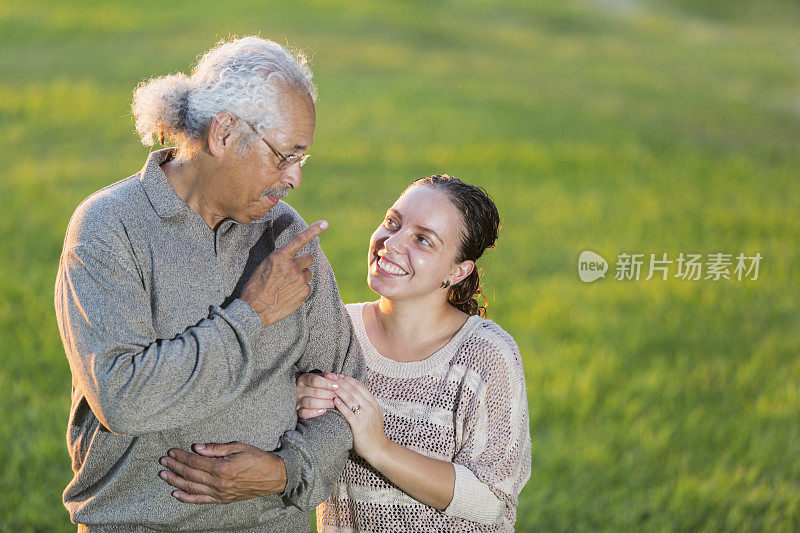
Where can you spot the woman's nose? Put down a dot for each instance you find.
(394, 242)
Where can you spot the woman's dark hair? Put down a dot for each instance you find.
(481, 226)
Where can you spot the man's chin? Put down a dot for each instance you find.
(261, 213)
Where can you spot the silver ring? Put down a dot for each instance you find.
(356, 408)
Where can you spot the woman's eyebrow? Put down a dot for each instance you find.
(429, 230)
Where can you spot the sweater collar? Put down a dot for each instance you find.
(157, 186)
(381, 364)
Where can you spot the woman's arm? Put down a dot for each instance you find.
(450, 487)
(429, 481)
(493, 448)
(493, 458)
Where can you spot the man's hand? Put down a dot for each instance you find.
(223, 473)
(279, 285)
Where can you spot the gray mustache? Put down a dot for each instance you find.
(276, 193)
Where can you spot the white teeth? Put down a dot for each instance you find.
(391, 268)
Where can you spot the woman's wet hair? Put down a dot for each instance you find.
(481, 224)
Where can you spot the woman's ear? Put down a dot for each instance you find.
(219, 134)
(460, 271)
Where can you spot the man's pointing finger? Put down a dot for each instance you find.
(304, 237)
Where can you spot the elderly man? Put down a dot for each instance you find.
(186, 314)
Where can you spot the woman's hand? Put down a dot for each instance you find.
(315, 394)
(362, 412)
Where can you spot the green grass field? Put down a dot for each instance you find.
(608, 125)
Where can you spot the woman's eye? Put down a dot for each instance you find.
(422, 240)
(390, 223)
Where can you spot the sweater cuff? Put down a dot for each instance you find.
(292, 463)
(472, 499)
(245, 315)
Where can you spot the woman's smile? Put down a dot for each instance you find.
(386, 267)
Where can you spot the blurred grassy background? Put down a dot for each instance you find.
(610, 125)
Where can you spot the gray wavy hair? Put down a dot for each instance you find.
(243, 76)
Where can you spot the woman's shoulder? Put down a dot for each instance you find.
(355, 310)
(488, 347)
(490, 335)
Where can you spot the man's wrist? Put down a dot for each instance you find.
(283, 477)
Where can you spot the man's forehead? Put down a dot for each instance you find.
(293, 137)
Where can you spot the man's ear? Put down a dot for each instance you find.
(219, 133)
(460, 271)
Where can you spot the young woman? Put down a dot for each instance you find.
(440, 426)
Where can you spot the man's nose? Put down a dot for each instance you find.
(292, 176)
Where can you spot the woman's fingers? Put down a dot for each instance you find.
(349, 396)
(318, 381)
(307, 402)
(308, 407)
(356, 392)
(310, 413)
(314, 392)
(347, 413)
(353, 382)
(323, 394)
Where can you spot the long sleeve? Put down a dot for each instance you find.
(165, 354)
(134, 382)
(493, 459)
(315, 452)
(473, 500)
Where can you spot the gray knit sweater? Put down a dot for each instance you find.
(164, 355)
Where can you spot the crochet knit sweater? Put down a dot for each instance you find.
(465, 404)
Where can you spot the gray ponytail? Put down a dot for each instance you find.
(160, 108)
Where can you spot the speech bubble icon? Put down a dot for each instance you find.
(591, 266)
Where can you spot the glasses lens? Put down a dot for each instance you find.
(289, 161)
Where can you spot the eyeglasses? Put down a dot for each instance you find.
(286, 160)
